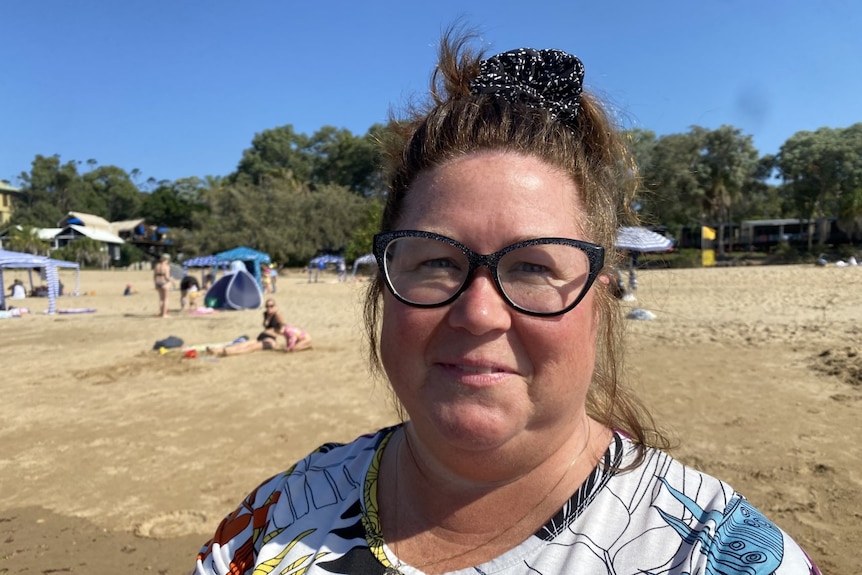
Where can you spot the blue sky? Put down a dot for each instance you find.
(179, 88)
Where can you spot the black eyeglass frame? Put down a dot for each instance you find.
(594, 252)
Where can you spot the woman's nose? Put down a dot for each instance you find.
(480, 308)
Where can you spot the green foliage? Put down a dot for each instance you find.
(85, 251)
(279, 153)
(331, 156)
(114, 196)
(822, 173)
(786, 253)
(47, 192)
(360, 242)
(291, 223)
(670, 191)
(51, 190)
(697, 177)
(176, 204)
(295, 196)
(25, 239)
(129, 255)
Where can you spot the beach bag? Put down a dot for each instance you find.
(169, 342)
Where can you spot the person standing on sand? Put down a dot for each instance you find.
(162, 281)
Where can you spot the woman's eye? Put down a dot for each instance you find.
(527, 267)
(438, 263)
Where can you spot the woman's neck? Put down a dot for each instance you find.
(431, 510)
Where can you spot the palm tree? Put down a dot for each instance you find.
(26, 239)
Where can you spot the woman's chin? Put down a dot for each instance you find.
(472, 428)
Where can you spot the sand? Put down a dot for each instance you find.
(114, 458)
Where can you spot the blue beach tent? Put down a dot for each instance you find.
(251, 259)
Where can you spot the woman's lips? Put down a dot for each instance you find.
(477, 369)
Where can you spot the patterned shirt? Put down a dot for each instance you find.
(321, 517)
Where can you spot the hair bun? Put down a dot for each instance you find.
(548, 79)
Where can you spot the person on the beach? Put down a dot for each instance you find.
(17, 290)
(266, 279)
(273, 276)
(162, 280)
(189, 287)
(522, 450)
(275, 328)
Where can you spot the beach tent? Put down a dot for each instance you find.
(251, 259)
(19, 260)
(321, 262)
(237, 289)
(207, 262)
(366, 260)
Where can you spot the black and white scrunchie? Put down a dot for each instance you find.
(549, 79)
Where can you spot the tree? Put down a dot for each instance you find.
(849, 202)
(362, 238)
(340, 158)
(822, 174)
(26, 239)
(330, 156)
(670, 193)
(120, 197)
(727, 162)
(696, 178)
(84, 251)
(175, 204)
(279, 151)
(289, 222)
(48, 193)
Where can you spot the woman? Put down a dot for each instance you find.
(274, 328)
(17, 290)
(162, 280)
(492, 317)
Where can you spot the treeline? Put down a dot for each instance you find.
(709, 177)
(291, 196)
(294, 195)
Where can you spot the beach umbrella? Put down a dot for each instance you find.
(640, 239)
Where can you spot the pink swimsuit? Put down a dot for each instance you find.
(293, 334)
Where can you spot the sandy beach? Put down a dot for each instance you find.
(117, 459)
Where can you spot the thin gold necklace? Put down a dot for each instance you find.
(396, 569)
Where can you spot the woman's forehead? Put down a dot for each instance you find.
(519, 194)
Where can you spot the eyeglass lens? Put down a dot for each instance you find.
(541, 278)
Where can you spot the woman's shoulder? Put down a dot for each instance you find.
(664, 495)
(345, 459)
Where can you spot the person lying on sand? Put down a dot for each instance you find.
(274, 328)
(297, 339)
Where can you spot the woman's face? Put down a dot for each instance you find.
(476, 374)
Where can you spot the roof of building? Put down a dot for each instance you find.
(126, 225)
(95, 234)
(7, 187)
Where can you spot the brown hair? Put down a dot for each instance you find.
(455, 123)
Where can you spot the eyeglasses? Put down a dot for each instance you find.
(541, 277)
(270, 305)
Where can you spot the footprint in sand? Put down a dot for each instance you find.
(173, 524)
